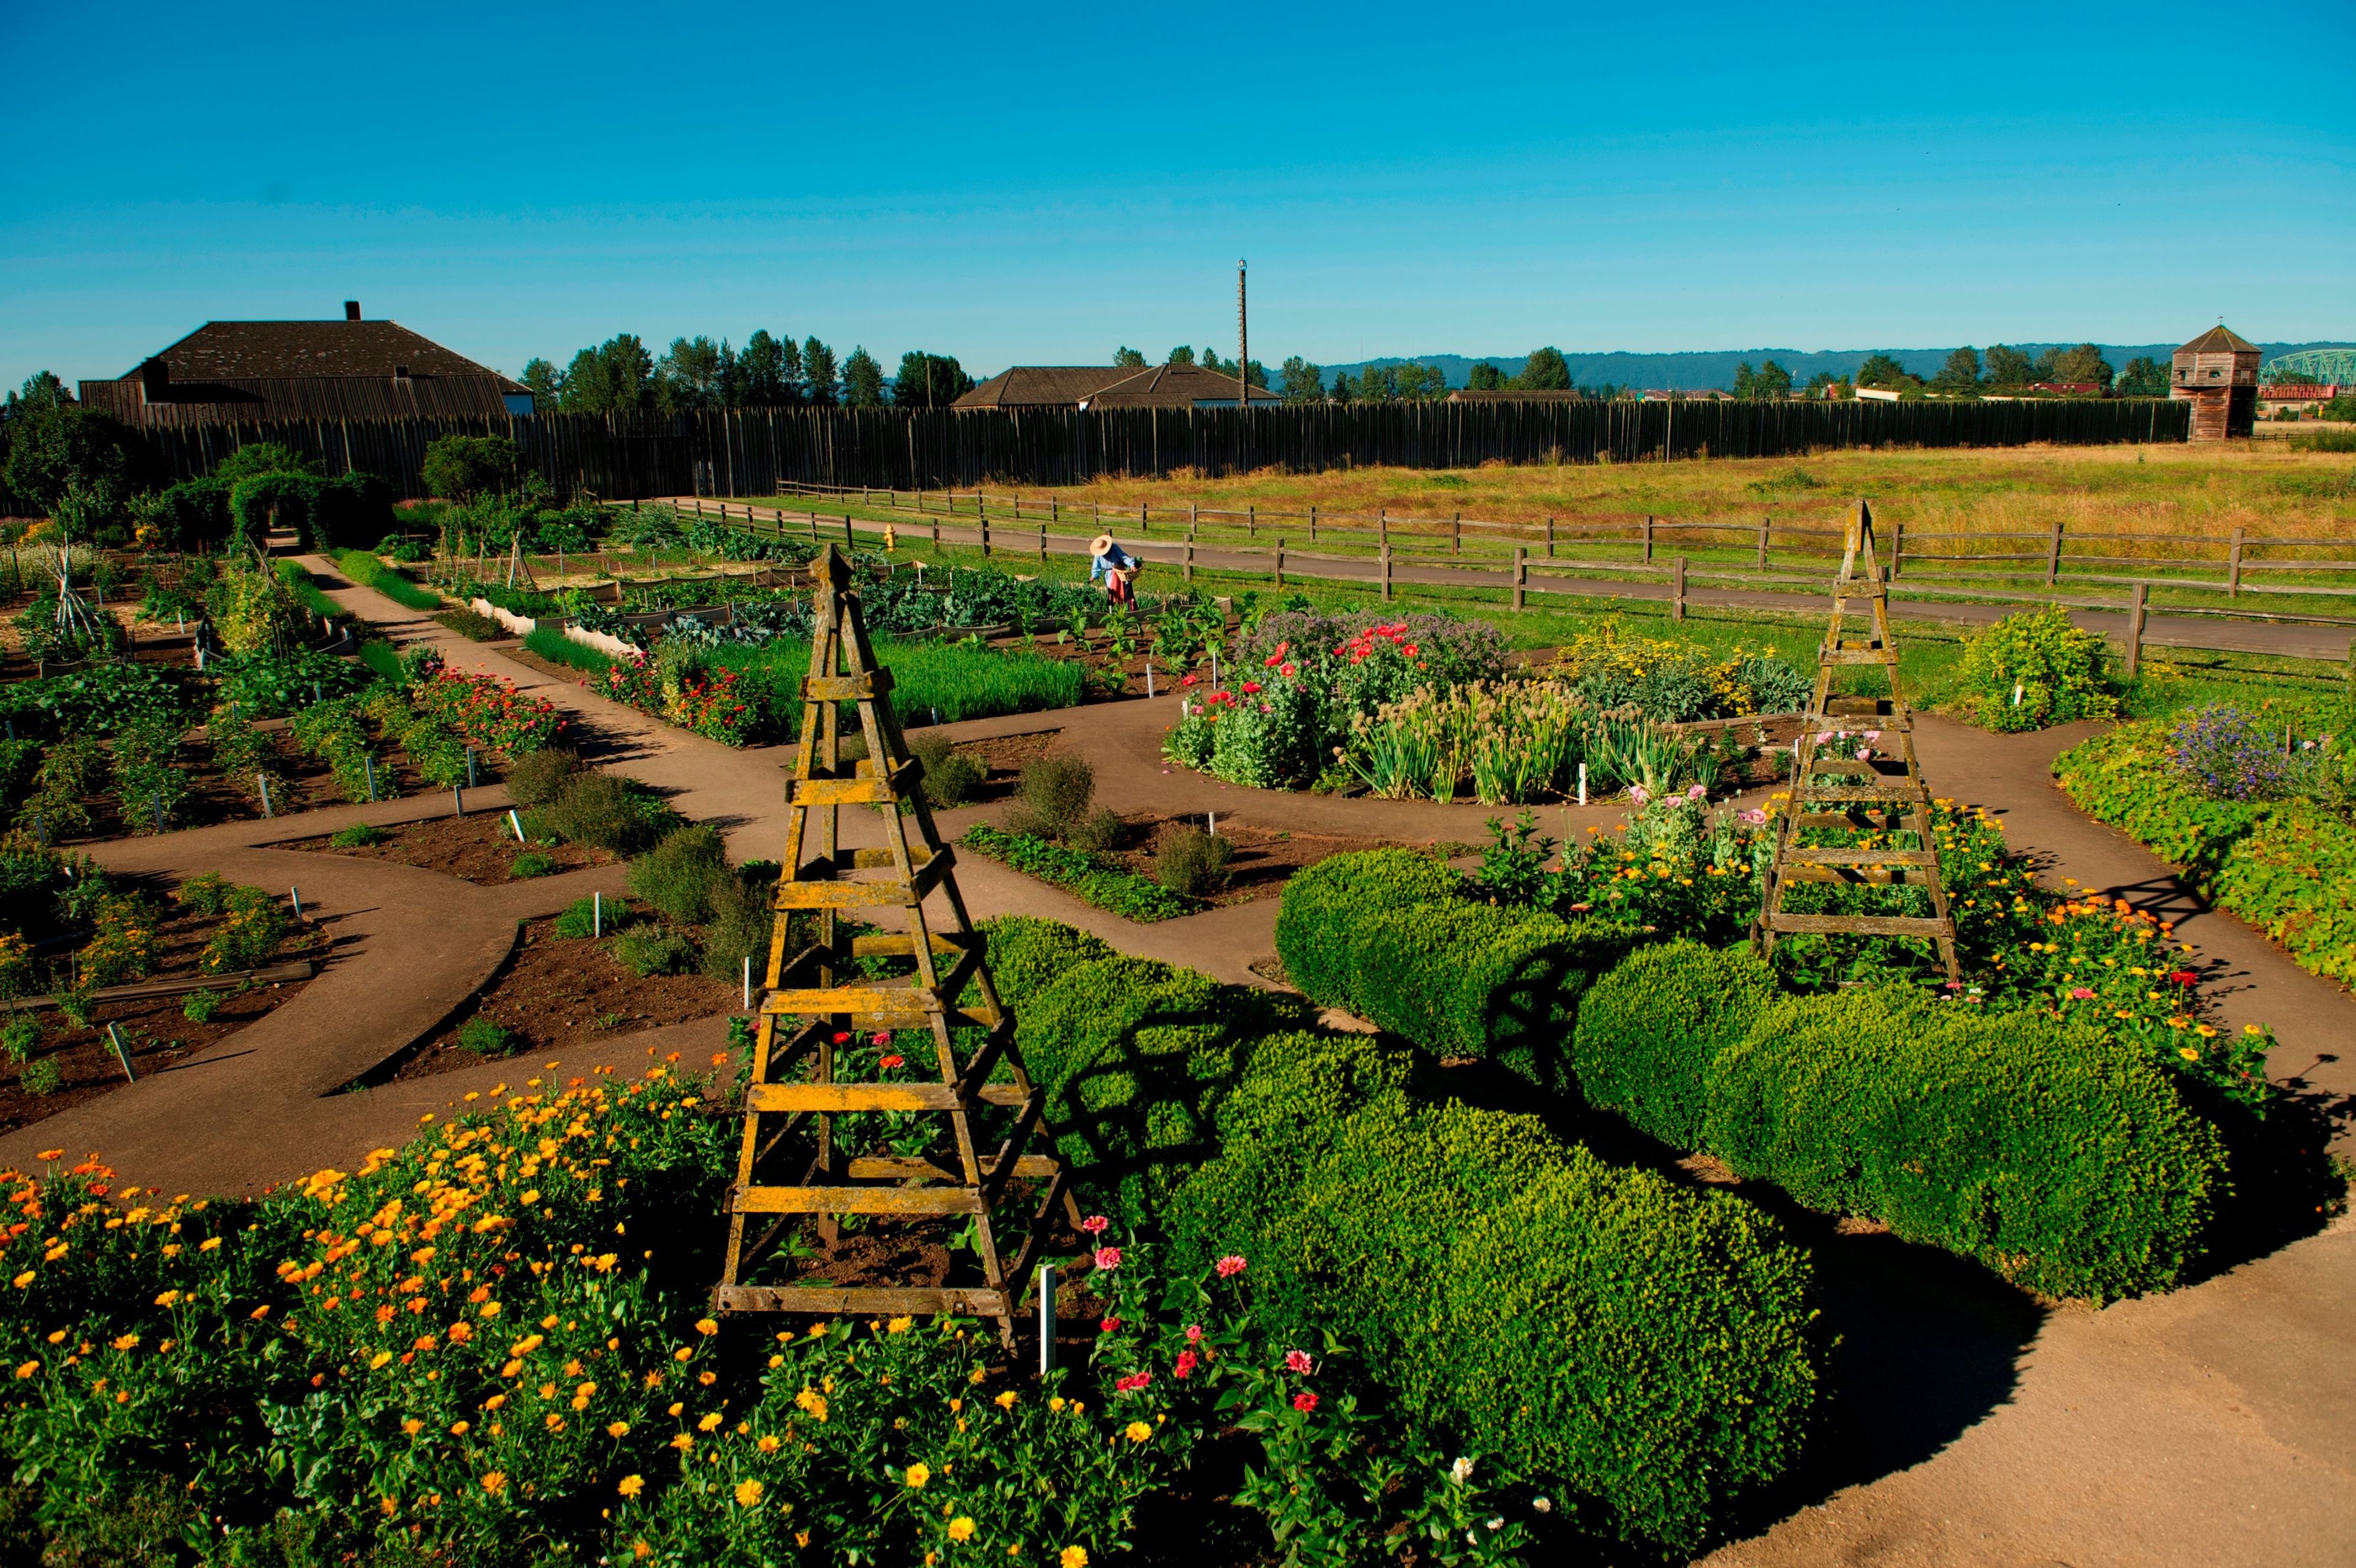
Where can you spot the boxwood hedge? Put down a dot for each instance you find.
(1643, 1353)
(1649, 1031)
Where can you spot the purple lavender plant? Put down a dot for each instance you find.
(2220, 751)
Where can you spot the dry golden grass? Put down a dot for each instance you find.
(2186, 492)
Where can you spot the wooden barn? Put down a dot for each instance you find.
(243, 371)
(2217, 373)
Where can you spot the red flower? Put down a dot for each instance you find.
(1231, 1265)
(1095, 1224)
(1304, 1402)
(2184, 977)
(1134, 1381)
(1250, 687)
(1108, 1325)
(891, 1061)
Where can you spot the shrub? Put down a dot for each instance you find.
(253, 927)
(487, 1037)
(739, 927)
(45, 1076)
(2056, 670)
(2220, 753)
(124, 945)
(648, 950)
(358, 835)
(464, 467)
(151, 791)
(530, 863)
(194, 514)
(1600, 1331)
(1086, 877)
(206, 895)
(607, 813)
(550, 643)
(1193, 862)
(1028, 955)
(1316, 923)
(536, 778)
(579, 918)
(20, 1037)
(2058, 1157)
(1053, 797)
(1649, 1029)
(950, 777)
(680, 876)
(199, 1007)
(1135, 1057)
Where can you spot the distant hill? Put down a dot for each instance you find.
(1700, 372)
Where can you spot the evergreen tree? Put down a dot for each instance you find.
(862, 381)
(1128, 358)
(1485, 377)
(1544, 371)
(545, 382)
(2006, 367)
(2144, 378)
(1961, 373)
(762, 378)
(1302, 382)
(819, 373)
(1182, 355)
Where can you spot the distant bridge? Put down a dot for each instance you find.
(2325, 366)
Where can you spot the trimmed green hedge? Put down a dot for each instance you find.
(1383, 935)
(1316, 925)
(2063, 1159)
(2285, 866)
(1644, 1353)
(1650, 1350)
(369, 570)
(1649, 1031)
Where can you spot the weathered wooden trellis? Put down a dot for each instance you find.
(817, 1003)
(1875, 787)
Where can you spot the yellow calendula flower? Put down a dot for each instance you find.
(706, 1326)
(748, 1494)
(631, 1486)
(916, 1476)
(961, 1529)
(768, 1443)
(413, 1426)
(1073, 1557)
(1138, 1432)
(618, 1429)
(709, 1423)
(682, 1442)
(1006, 1400)
(494, 1482)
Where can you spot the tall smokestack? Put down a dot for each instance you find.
(352, 310)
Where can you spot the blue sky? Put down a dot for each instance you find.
(1038, 185)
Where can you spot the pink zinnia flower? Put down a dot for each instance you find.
(1231, 1265)
(1304, 1402)
(881, 1037)
(2082, 993)
(1133, 1382)
(1194, 1333)
(1108, 1258)
(1754, 817)
(1185, 1367)
(1298, 1361)
(1095, 1224)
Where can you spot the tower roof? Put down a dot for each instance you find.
(2219, 339)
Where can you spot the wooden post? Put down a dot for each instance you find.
(1192, 519)
(2234, 568)
(1521, 573)
(1043, 544)
(1897, 548)
(1456, 533)
(1764, 524)
(1251, 522)
(1677, 589)
(1387, 572)
(1190, 558)
(1055, 510)
(1279, 561)
(2053, 556)
(1648, 539)
(1382, 531)
(1312, 522)
(985, 539)
(2136, 614)
(1549, 539)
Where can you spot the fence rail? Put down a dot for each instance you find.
(748, 452)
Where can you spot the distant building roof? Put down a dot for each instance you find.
(1107, 387)
(1466, 395)
(350, 368)
(2219, 339)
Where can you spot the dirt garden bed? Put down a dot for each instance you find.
(479, 847)
(558, 993)
(156, 1030)
(1263, 857)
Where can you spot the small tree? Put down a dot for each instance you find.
(465, 468)
(2144, 378)
(51, 447)
(1961, 373)
(1881, 371)
(1302, 382)
(928, 380)
(1485, 377)
(1182, 355)
(2009, 366)
(2083, 364)
(1128, 358)
(819, 373)
(1545, 370)
(766, 371)
(862, 381)
(544, 381)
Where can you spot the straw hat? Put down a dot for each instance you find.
(1100, 545)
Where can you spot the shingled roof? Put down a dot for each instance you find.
(301, 369)
(2219, 339)
(1105, 386)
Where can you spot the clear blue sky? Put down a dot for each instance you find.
(1016, 184)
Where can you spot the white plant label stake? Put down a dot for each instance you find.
(517, 823)
(1582, 784)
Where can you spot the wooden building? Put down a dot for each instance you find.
(241, 371)
(2217, 373)
(1109, 387)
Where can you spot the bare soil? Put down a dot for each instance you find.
(1264, 858)
(557, 992)
(157, 1032)
(479, 847)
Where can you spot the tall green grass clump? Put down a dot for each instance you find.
(369, 570)
(549, 643)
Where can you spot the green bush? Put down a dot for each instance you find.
(1086, 877)
(530, 863)
(1027, 954)
(1053, 796)
(950, 777)
(1135, 1057)
(487, 1037)
(650, 950)
(200, 1006)
(194, 513)
(45, 1076)
(1316, 925)
(1649, 1030)
(550, 643)
(739, 927)
(607, 812)
(358, 835)
(538, 777)
(1601, 1332)
(1193, 862)
(2057, 670)
(2060, 1158)
(20, 1037)
(680, 876)
(2285, 866)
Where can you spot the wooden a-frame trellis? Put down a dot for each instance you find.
(1880, 794)
(817, 995)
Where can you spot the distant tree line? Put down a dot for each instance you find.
(621, 375)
